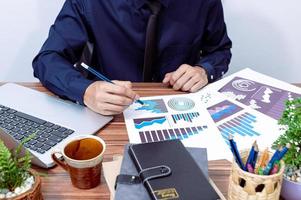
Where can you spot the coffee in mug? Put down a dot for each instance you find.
(82, 159)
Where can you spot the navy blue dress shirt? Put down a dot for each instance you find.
(189, 32)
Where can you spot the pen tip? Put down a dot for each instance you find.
(256, 148)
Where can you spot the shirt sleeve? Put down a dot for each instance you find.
(63, 47)
(216, 45)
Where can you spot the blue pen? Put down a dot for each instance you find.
(236, 153)
(102, 77)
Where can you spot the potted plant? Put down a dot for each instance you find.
(17, 180)
(291, 122)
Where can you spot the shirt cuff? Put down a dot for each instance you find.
(79, 89)
(211, 75)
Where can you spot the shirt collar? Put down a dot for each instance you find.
(139, 3)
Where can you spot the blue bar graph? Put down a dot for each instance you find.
(187, 117)
(242, 125)
(171, 134)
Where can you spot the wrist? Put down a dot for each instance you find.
(88, 93)
(203, 73)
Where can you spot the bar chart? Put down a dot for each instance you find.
(170, 134)
(187, 117)
(242, 125)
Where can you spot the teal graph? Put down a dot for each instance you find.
(144, 122)
(153, 106)
(187, 117)
(181, 103)
(242, 125)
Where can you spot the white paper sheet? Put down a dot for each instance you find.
(260, 92)
(246, 104)
(241, 121)
(247, 91)
(175, 116)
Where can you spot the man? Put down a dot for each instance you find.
(182, 43)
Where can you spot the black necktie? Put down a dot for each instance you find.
(150, 42)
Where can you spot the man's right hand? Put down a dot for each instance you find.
(109, 99)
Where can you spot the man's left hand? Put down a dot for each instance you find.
(187, 78)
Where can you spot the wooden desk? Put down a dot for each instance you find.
(56, 184)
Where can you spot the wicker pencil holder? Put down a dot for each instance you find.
(247, 186)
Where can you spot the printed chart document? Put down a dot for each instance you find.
(258, 91)
(247, 105)
(175, 116)
(239, 120)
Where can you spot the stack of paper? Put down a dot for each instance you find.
(246, 104)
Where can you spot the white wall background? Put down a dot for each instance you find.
(24, 26)
(266, 36)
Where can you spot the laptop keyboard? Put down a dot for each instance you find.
(20, 126)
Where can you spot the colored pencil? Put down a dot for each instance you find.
(256, 150)
(263, 160)
(251, 155)
(236, 153)
(283, 151)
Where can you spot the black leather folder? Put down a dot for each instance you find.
(170, 173)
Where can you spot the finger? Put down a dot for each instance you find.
(197, 86)
(113, 108)
(120, 90)
(127, 84)
(108, 113)
(167, 78)
(115, 99)
(182, 80)
(99, 108)
(190, 83)
(178, 73)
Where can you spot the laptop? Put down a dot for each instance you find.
(24, 111)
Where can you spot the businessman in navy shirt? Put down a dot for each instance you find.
(192, 48)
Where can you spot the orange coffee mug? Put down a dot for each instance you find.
(82, 158)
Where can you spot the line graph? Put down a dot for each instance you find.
(144, 122)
